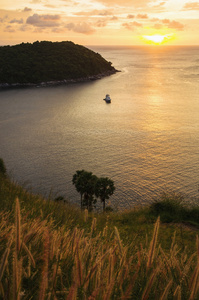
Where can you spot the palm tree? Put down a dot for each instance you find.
(2, 167)
(104, 188)
(85, 185)
(78, 182)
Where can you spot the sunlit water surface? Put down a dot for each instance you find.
(146, 140)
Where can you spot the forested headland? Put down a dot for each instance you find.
(55, 62)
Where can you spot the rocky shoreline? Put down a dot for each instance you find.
(57, 82)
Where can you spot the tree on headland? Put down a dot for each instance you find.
(79, 184)
(2, 167)
(89, 190)
(85, 185)
(104, 189)
(89, 186)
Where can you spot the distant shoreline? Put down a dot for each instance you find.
(4, 86)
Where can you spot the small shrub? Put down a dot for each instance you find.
(108, 209)
(169, 207)
(59, 198)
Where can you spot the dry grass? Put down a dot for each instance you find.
(39, 261)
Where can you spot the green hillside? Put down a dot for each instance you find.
(47, 61)
(53, 250)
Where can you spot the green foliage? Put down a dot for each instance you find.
(2, 167)
(171, 208)
(48, 61)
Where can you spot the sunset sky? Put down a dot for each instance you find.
(100, 22)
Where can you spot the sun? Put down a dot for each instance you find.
(157, 39)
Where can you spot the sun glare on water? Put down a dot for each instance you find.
(157, 39)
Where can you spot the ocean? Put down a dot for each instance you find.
(146, 140)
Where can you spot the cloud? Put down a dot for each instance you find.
(2, 20)
(173, 24)
(131, 25)
(155, 19)
(176, 25)
(24, 27)
(101, 23)
(158, 26)
(16, 21)
(142, 16)
(130, 16)
(57, 30)
(124, 3)
(83, 28)
(26, 9)
(43, 20)
(36, 1)
(191, 6)
(9, 28)
(95, 12)
(159, 7)
(114, 18)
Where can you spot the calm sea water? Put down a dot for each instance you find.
(146, 140)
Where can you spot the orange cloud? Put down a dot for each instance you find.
(173, 24)
(142, 16)
(94, 12)
(159, 7)
(83, 27)
(114, 18)
(191, 6)
(130, 16)
(101, 23)
(155, 19)
(131, 25)
(130, 3)
(158, 26)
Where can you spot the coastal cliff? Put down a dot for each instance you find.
(47, 63)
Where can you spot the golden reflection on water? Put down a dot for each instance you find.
(146, 140)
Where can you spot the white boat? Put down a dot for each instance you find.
(107, 98)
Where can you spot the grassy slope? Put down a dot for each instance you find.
(51, 248)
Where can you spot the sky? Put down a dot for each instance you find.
(100, 22)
